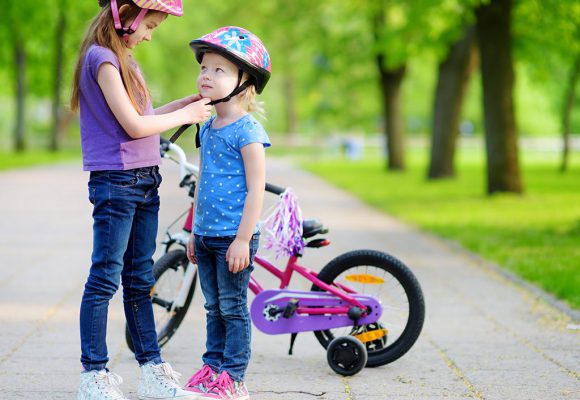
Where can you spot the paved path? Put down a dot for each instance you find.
(484, 337)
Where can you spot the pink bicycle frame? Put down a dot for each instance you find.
(339, 290)
(285, 276)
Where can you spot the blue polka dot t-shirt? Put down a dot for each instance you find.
(222, 187)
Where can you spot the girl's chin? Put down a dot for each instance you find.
(207, 94)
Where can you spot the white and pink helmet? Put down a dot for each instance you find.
(241, 47)
(173, 7)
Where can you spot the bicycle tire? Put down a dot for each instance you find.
(176, 261)
(412, 290)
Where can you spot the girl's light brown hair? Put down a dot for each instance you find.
(102, 32)
(249, 100)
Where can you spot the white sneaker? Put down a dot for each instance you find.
(160, 381)
(100, 385)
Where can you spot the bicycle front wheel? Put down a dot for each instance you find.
(383, 276)
(169, 273)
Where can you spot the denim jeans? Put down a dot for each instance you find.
(126, 205)
(228, 325)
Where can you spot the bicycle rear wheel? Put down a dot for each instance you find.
(169, 272)
(389, 280)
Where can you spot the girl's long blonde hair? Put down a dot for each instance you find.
(250, 101)
(102, 32)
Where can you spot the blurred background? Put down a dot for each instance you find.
(459, 116)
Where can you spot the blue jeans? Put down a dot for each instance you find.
(126, 205)
(228, 326)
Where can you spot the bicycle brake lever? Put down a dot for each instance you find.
(185, 181)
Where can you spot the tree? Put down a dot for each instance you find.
(493, 22)
(391, 78)
(453, 78)
(67, 35)
(60, 30)
(570, 97)
(548, 40)
(14, 39)
(25, 41)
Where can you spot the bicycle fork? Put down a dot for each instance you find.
(190, 272)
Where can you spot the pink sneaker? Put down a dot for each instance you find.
(200, 381)
(225, 388)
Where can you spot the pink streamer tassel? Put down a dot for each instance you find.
(283, 227)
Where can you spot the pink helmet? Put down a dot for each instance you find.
(173, 7)
(241, 47)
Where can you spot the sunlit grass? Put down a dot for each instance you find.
(536, 235)
(10, 160)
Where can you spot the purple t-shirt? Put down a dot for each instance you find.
(105, 144)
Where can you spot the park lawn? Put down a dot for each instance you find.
(29, 158)
(535, 235)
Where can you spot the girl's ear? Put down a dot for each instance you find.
(122, 10)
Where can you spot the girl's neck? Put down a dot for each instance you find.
(228, 113)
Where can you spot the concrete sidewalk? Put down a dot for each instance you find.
(484, 336)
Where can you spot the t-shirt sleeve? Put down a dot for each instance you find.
(205, 127)
(252, 132)
(97, 56)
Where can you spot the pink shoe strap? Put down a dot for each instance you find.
(201, 376)
(221, 384)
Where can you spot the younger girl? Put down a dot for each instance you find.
(235, 66)
(120, 143)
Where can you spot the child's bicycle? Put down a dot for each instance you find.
(365, 307)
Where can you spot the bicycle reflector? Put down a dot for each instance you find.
(365, 278)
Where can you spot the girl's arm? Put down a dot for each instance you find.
(238, 255)
(140, 126)
(177, 104)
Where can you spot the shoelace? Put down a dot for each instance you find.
(202, 375)
(222, 384)
(167, 375)
(109, 383)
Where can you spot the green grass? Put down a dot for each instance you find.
(535, 235)
(29, 158)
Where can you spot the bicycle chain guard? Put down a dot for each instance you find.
(269, 305)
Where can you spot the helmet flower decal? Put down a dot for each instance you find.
(232, 39)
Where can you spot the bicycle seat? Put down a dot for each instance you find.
(311, 227)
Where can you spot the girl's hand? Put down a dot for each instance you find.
(190, 99)
(191, 250)
(238, 255)
(198, 111)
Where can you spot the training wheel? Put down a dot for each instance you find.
(346, 355)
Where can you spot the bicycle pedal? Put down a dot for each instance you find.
(290, 308)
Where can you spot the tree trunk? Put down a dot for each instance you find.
(567, 112)
(453, 80)
(391, 80)
(20, 93)
(493, 22)
(56, 134)
(290, 101)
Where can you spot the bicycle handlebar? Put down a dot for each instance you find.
(274, 189)
(187, 168)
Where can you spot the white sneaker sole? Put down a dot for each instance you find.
(192, 396)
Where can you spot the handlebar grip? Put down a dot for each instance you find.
(274, 189)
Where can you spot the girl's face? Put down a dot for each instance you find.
(218, 76)
(145, 28)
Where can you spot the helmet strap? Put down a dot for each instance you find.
(239, 88)
(117, 20)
